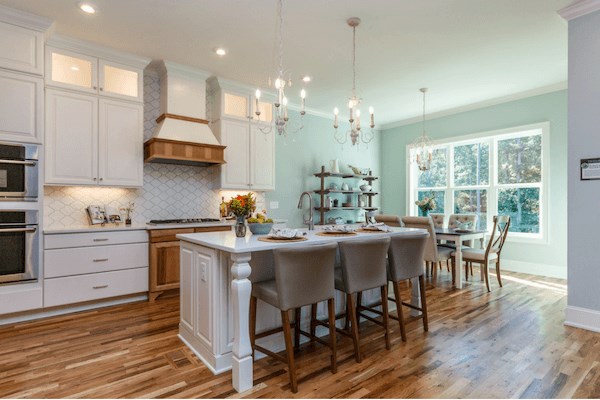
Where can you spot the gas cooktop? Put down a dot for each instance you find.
(181, 221)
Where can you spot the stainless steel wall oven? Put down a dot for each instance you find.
(19, 246)
(18, 172)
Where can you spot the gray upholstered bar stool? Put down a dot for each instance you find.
(405, 261)
(363, 267)
(303, 276)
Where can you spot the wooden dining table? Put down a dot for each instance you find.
(457, 237)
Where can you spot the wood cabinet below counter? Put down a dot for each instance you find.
(164, 257)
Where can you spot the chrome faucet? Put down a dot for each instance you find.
(310, 222)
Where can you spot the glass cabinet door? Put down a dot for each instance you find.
(266, 112)
(120, 81)
(71, 70)
(235, 105)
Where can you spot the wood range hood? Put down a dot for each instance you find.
(183, 136)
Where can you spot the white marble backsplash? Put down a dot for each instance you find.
(170, 191)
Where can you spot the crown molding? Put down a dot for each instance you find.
(482, 104)
(579, 8)
(25, 19)
(95, 50)
(163, 68)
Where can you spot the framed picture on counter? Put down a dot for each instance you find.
(96, 214)
(590, 169)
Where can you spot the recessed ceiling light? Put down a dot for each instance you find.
(220, 51)
(87, 8)
(306, 79)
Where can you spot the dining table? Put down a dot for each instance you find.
(457, 237)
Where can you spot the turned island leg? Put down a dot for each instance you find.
(240, 296)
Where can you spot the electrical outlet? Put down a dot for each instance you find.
(274, 205)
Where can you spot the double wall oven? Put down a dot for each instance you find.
(19, 230)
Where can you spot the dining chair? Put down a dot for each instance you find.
(456, 221)
(389, 220)
(303, 276)
(434, 253)
(492, 250)
(439, 220)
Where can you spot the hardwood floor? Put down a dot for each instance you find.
(507, 343)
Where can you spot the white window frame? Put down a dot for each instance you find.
(491, 138)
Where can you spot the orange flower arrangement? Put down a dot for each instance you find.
(242, 206)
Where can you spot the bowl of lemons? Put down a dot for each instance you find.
(260, 225)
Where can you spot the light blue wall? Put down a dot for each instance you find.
(584, 142)
(550, 107)
(301, 155)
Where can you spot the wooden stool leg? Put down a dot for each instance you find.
(351, 313)
(498, 272)
(423, 303)
(434, 272)
(484, 265)
(448, 265)
(297, 319)
(289, 349)
(313, 317)
(399, 310)
(332, 337)
(358, 305)
(466, 270)
(384, 310)
(252, 319)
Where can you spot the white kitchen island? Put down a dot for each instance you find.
(215, 294)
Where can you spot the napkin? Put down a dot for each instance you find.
(287, 233)
(379, 226)
(338, 228)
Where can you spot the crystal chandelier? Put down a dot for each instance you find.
(355, 132)
(422, 147)
(280, 121)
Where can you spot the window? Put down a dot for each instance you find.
(488, 174)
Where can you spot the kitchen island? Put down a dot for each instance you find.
(216, 273)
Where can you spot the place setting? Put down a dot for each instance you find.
(284, 235)
(337, 230)
(378, 227)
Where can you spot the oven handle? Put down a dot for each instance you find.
(4, 230)
(19, 162)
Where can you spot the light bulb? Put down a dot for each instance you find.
(277, 83)
(336, 111)
(257, 94)
(350, 104)
(284, 101)
(303, 94)
(357, 113)
(371, 110)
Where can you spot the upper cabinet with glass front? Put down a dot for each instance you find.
(235, 101)
(73, 70)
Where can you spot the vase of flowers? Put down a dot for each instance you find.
(426, 204)
(242, 207)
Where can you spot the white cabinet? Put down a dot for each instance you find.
(250, 153)
(71, 70)
(21, 107)
(92, 141)
(21, 49)
(91, 266)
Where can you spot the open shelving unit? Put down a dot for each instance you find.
(323, 175)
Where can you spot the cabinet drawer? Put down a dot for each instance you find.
(94, 239)
(75, 289)
(86, 260)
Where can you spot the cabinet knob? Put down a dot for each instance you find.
(100, 287)
(101, 179)
(95, 87)
(101, 89)
(94, 179)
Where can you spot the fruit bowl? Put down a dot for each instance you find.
(260, 229)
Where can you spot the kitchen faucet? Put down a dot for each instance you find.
(310, 222)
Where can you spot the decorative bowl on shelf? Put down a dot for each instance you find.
(366, 188)
(260, 229)
(346, 204)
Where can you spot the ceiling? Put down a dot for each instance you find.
(465, 51)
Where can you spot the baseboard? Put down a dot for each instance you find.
(583, 318)
(553, 271)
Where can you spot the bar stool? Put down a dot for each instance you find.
(303, 276)
(363, 267)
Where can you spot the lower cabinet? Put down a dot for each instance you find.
(164, 257)
(82, 267)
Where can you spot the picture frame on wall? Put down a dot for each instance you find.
(590, 169)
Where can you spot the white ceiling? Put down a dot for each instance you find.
(465, 51)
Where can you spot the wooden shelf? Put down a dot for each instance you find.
(345, 208)
(327, 191)
(345, 176)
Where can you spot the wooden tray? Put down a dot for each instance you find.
(276, 240)
(324, 233)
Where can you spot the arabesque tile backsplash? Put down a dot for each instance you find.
(170, 191)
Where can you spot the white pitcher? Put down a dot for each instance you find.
(335, 166)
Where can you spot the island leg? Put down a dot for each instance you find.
(459, 268)
(240, 296)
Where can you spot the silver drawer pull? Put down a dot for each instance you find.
(100, 259)
(100, 240)
(100, 287)
(19, 162)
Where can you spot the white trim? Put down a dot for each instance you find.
(552, 271)
(25, 19)
(482, 104)
(94, 50)
(164, 68)
(579, 8)
(29, 316)
(583, 318)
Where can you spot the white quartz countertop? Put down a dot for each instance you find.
(227, 241)
(133, 227)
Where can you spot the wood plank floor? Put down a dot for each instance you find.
(507, 343)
